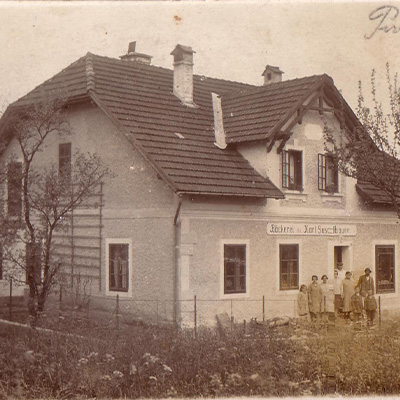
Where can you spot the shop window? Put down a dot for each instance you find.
(289, 266)
(118, 263)
(64, 160)
(328, 176)
(384, 267)
(292, 170)
(234, 268)
(33, 258)
(14, 189)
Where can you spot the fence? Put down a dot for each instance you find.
(66, 306)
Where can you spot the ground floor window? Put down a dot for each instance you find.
(384, 267)
(234, 268)
(289, 266)
(118, 262)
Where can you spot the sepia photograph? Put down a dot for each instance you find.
(199, 199)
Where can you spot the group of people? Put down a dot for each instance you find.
(346, 296)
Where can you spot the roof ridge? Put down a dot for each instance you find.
(90, 75)
(255, 89)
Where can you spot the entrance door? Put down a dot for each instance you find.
(341, 254)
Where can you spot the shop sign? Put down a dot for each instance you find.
(311, 229)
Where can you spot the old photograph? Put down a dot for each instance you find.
(199, 199)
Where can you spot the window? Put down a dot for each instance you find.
(14, 189)
(234, 268)
(292, 170)
(33, 256)
(64, 160)
(118, 258)
(384, 267)
(289, 266)
(327, 173)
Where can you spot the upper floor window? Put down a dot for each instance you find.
(292, 170)
(234, 268)
(384, 267)
(64, 160)
(14, 189)
(328, 176)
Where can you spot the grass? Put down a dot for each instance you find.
(151, 362)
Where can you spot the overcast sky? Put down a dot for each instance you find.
(232, 40)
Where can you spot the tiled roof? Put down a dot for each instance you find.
(257, 113)
(177, 140)
(372, 194)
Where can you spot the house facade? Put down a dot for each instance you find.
(219, 190)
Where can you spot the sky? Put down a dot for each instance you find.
(232, 40)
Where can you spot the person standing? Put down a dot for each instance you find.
(324, 298)
(338, 292)
(314, 298)
(348, 291)
(365, 283)
(370, 307)
(341, 271)
(302, 303)
(356, 305)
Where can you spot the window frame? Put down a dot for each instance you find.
(298, 181)
(64, 159)
(233, 242)
(112, 291)
(10, 179)
(323, 173)
(280, 247)
(376, 263)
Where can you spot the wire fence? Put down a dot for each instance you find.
(67, 307)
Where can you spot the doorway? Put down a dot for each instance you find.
(341, 254)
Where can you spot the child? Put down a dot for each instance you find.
(370, 307)
(356, 304)
(302, 303)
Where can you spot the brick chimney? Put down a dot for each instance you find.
(183, 74)
(131, 55)
(272, 74)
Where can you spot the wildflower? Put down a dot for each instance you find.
(109, 357)
(167, 369)
(29, 356)
(118, 374)
(82, 361)
(106, 378)
(254, 377)
(132, 370)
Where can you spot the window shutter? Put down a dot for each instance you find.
(321, 171)
(298, 174)
(285, 169)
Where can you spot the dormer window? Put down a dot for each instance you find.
(328, 176)
(292, 170)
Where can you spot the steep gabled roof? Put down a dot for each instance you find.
(256, 113)
(178, 141)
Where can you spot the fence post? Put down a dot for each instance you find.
(157, 311)
(263, 309)
(11, 289)
(195, 316)
(231, 315)
(117, 311)
(379, 299)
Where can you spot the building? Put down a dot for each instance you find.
(220, 190)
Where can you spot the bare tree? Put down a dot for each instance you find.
(369, 152)
(44, 196)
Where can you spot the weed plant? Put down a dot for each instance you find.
(154, 362)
